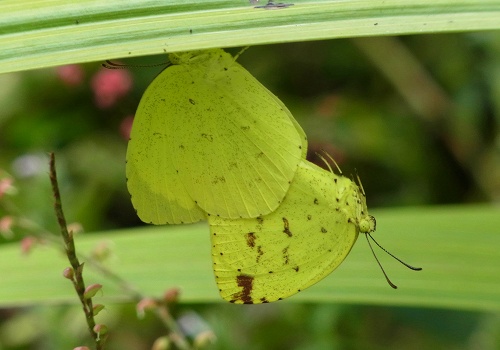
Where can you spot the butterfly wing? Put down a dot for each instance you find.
(157, 193)
(271, 257)
(230, 146)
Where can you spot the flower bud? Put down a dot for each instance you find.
(101, 252)
(101, 330)
(75, 228)
(27, 243)
(6, 224)
(145, 304)
(91, 290)
(97, 308)
(172, 295)
(162, 343)
(6, 186)
(69, 273)
(203, 339)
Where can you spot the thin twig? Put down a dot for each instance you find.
(69, 246)
(173, 330)
(161, 311)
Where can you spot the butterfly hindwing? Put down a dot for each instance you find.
(274, 256)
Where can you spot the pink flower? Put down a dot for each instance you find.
(109, 85)
(71, 75)
(27, 244)
(6, 224)
(6, 186)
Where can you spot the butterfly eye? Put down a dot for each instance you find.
(366, 224)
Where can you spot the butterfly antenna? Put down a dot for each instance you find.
(378, 262)
(115, 65)
(241, 51)
(401, 261)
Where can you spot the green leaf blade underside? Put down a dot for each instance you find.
(56, 32)
(457, 247)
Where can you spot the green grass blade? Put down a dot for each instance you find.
(55, 32)
(457, 247)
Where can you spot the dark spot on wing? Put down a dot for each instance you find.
(218, 179)
(316, 201)
(260, 252)
(286, 257)
(324, 230)
(246, 284)
(296, 268)
(208, 137)
(286, 228)
(251, 239)
(192, 101)
(309, 217)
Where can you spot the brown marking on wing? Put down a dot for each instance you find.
(246, 284)
(286, 227)
(250, 236)
(286, 257)
(260, 252)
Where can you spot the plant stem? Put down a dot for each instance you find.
(69, 246)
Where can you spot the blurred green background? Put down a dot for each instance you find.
(417, 117)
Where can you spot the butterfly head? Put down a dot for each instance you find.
(367, 224)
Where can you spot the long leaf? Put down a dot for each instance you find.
(43, 33)
(456, 246)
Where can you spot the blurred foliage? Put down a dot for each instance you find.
(432, 138)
